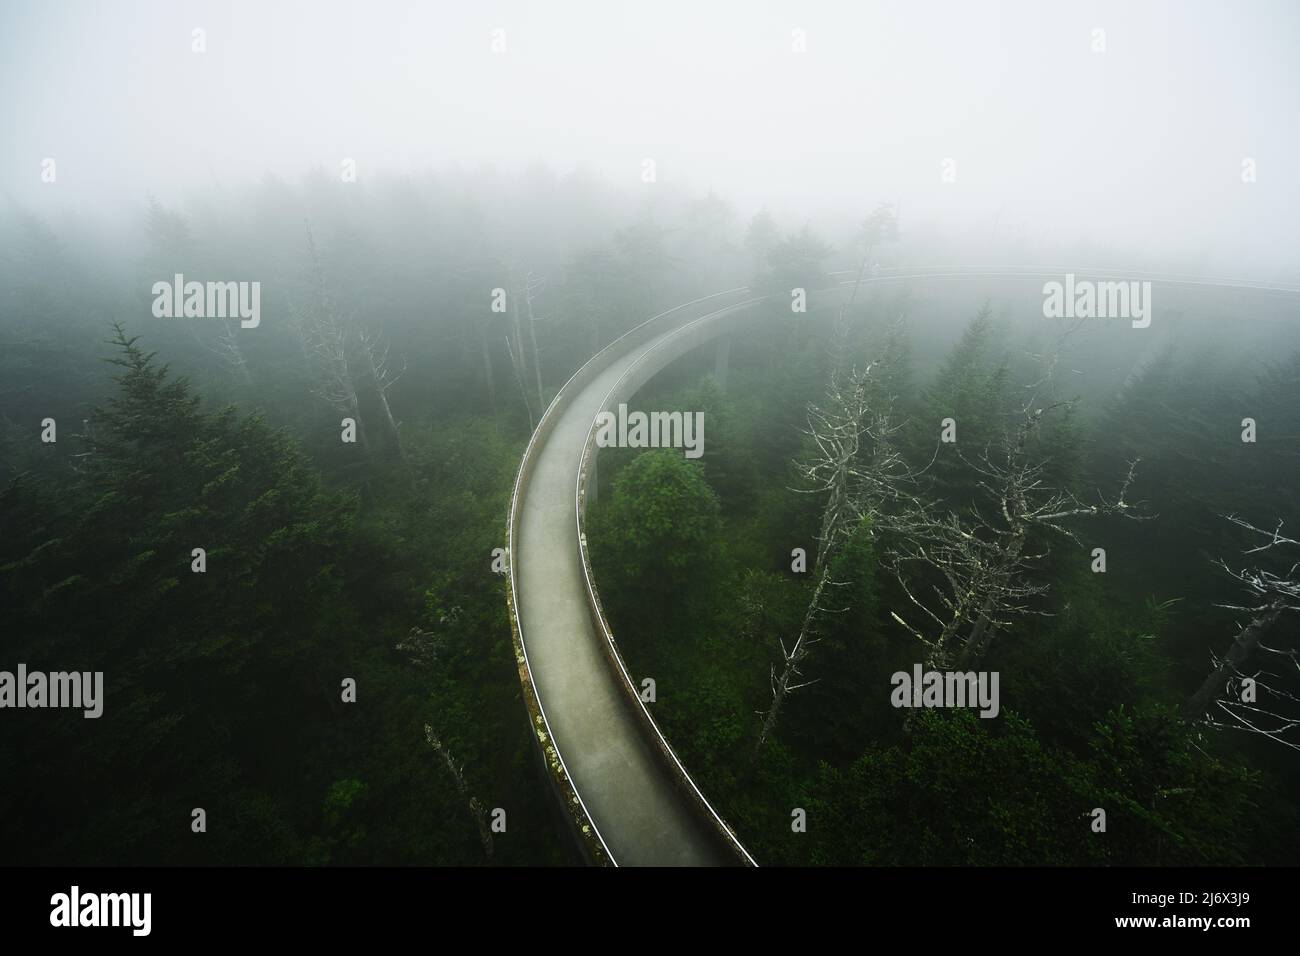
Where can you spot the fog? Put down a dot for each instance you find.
(1062, 143)
(309, 313)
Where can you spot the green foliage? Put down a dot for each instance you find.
(1166, 803)
(223, 688)
(1089, 690)
(957, 792)
(660, 531)
(794, 261)
(879, 227)
(970, 388)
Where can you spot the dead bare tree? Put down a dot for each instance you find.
(978, 563)
(836, 429)
(861, 473)
(326, 338)
(534, 285)
(526, 367)
(374, 353)
(515, 352)
(515, 346)
(1229, 694)
(458, 774)
(226, 347)
(476, 328)
(421, 646)
(880, 226)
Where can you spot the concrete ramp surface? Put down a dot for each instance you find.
(632, 800)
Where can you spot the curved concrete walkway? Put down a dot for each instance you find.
(619, 788)
(635, 806)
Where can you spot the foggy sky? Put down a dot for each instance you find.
(1140, 146)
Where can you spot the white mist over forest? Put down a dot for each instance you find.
(1117, 148)
(673, 433)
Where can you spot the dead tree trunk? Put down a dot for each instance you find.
(518, 355)
(327, 337)
(383, 378)
(837, 432)
(228, 350)
(1241, 650)
(857, 417)
(516, 362)
(781, 686)
(458, 774)
(532, 288)
(982, 562)
(1275, 594)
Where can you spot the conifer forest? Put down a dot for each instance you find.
(855, 435)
